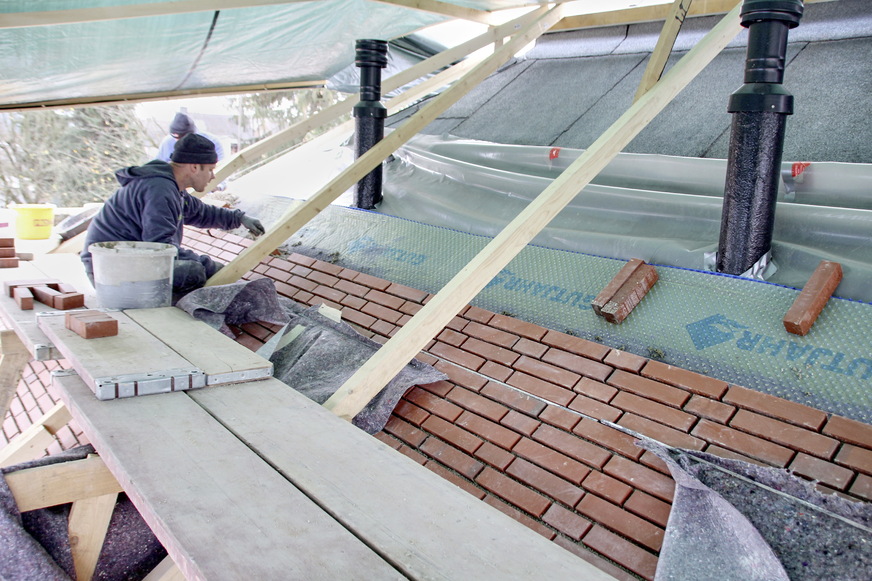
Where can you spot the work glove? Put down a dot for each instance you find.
(254, 226)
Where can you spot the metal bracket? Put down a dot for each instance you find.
(117, 386)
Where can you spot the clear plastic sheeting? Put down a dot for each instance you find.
(661, 209)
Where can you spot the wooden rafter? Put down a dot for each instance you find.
(445, 9)
(361, 387)
(297, 217)
(658, 58)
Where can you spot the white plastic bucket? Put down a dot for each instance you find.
(133, 275)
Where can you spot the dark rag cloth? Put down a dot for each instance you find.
(235, 304)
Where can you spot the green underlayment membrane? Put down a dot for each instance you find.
(721, 326)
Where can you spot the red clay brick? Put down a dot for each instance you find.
(277, 274)
(607, 487)
(427, 401)
(490, 352)
(551, 460)
(559, 417)
(855, 457)
(383, 328)
(406, 292)
(567, 522)
(9, 262)
(384, 299)
(521, 423)
(626, 361)
(689, 380)
(545, 482)
(326, 267)
(649, 388)
(572, 446)
(462, 376)
(608, 437)
(451, 337)
(654, 411)
(455, 355)
(518, 327)
(519, 516)
(862, 487)
(595, 389)
(453, 478)
(790, 412)
(388, 440)
(622, 279)
(786, 434)
(850, 431)
(513, 398)
(461, 463)
(649, 508)
(44, 294)
(619, 306)
(825, 472)
(460, 438)
(577, 364)
(411, 413)
(488, 430)
(490, 334)
(576, 345)
(495, 456)
(353, 302)
(514, 493)
(637, 476)
(358, 318)
(496, 371)
(405, 431)
(595, 559)
(530, 348)
(439, 388)
(813, 298)
(371, 281)
(23, 297)
(546, 372)
(707, 408)
(621, 551)
(93, 326)
(743, 443)
(621, 521)
(351, 288)
(540, 388)
(475, 403)
(477, 314)
(595, 409)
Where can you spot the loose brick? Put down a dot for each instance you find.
(44, 294)
(573, 446)
(621, 295)
(776, 407)
(488, 430)
(658, 412)
(9, 262)
(707, 408)
(855, 457)
(822, 471)
(743, 443)
(786, 434)
(23, 297)
(540, 388)
(689, 380)
(621, 278)
(577, 364)
(461, 463)
(551, 460)
(641, 477)
(567, 522)
(66, 301)
(513, 492)
(11, 284)
(626, 361)
(94, 326)
(621, 551)
(621, 521)
(607, 487)
(7, 242)
(649, 388)
(850, 431)
(7, 252)
(545, 482)
(813, 297)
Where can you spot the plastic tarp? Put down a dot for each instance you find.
(662, 209)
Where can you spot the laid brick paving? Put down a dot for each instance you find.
(522, 421)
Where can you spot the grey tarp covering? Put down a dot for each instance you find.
(320, 359)
(732, 520)
(35, 545)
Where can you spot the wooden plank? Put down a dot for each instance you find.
(13, 357)
(427, 527)
(61, 483)
(24, 322)
(133, 362)
(298, 216)
(88, 523)
(351, 397)
(253, 153)
(219, 509)
(222, 359)
(665, 42)
(166, 570)
(32, 442)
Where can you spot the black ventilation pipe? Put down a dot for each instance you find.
(760, 109)
(369, 117)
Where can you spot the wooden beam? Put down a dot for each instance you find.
(61, 483)
(32, 442)
(13, 357)
(89, 521)
(360, 388)
(658, 58)
(295, 218)
(445, 9)
(166, 570)
(253, 153)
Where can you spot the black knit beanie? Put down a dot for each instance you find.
(194, 148)
(182, 124)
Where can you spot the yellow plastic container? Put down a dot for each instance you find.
(34, 222)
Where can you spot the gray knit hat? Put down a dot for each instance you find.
(194, 148)
(182, 124)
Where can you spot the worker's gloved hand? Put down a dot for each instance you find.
(254, 226)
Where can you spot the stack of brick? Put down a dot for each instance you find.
(8, 258)
(51, 292)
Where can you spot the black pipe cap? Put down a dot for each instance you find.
(789, 11)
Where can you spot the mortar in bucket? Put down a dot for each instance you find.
(133, 275)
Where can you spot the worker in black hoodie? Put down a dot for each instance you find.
(153, 205)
